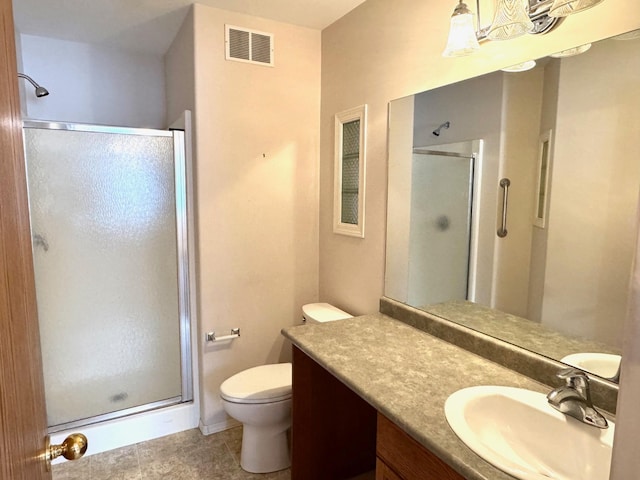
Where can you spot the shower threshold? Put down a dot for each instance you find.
(83, 422)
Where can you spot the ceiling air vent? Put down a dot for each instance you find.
(249, 46)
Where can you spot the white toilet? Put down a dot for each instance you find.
(322, 312)
(260, 398)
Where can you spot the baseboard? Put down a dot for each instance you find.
(218, 427)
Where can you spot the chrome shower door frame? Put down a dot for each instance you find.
(183, 255)
(469, 224)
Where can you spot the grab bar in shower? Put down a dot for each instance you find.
(211, 336)
(504, 184)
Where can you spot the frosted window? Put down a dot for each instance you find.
(350, 171)
(103, 219)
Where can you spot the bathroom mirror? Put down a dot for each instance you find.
(565, 134)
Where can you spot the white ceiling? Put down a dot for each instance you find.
(151, 25)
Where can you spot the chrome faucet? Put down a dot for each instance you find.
(574, 398)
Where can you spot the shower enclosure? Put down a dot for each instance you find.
(109, 226)
(440, 225)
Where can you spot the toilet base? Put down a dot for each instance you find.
(265, 445)
(264, 450)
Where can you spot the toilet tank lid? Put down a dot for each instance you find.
(324, 312)
(266, 383)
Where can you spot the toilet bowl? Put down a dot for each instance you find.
(260, 398)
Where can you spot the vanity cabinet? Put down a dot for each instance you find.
(333, 430)
(400, 457)
(384, 472)
(337, 435)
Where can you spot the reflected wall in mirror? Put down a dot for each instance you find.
(566, 268)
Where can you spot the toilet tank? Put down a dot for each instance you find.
(322, 312)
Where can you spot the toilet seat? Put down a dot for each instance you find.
(263, 384)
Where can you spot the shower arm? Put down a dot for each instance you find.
(40, 90)
(29, 79)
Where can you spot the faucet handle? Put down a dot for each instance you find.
(570, 373)
(577, 380)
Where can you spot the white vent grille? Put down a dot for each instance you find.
(249, 46)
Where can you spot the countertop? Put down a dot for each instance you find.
(516, 330)
(407, 375)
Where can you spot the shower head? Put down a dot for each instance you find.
(40, 91)
(436, 132)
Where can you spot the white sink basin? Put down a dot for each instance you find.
(518, 432)
(602, 364)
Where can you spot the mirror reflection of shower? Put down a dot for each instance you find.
(444, 125)
(40, 91)
(441, 193)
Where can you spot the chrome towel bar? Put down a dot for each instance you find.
(211, 336)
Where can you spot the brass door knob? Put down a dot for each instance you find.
(73, 448)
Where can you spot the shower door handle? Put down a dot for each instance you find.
(73, 448)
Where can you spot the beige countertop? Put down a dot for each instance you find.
(407, 375)
(516, 330)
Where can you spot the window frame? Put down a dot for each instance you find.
(541, 201)
(342, 118)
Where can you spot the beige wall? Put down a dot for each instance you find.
(401, 114)
(180, 72)
(594, 187)
(378, 53)
(257, 150)
(521, 110)
(539, 236)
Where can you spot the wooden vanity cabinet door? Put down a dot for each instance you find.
(405, 458)
(333, 430)
(383, 472)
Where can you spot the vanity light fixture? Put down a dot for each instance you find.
(570, 52)
(520, 67)
(462, 34)
(562, 8)
(512, 19)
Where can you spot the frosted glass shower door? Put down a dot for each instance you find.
(440, 227)
(103, 219)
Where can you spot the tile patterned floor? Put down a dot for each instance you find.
(187, 455)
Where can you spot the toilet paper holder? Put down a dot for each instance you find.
(211, 336)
